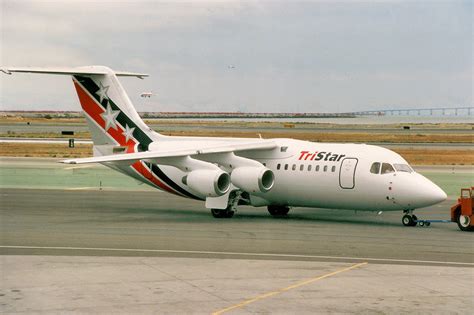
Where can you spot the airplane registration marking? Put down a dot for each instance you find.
(294, 286)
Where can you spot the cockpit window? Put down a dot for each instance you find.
(403, 168)
(387, 168)
(375, 168)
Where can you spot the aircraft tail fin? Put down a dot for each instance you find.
(112, 119)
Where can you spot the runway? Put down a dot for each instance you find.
(80, 219)
(124, 248)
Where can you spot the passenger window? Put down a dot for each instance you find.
(317, 168)
(278, 166)
(387, 168)
(325, 168)
(333, 169)
(309, 167)
(301, 167)
(286, 167)
(375, 168)
(293, 167)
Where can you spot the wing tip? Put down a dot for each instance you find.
(6, 71)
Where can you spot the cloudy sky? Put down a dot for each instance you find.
(253, 56)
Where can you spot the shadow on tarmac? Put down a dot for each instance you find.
(261, 215)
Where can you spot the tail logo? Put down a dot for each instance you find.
(102, 92)
(102, 110)
(128, 133)
(109, 117)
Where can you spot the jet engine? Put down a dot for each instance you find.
(211, 183)
(253, 179)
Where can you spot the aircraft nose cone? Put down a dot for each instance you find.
(429, 193)
(436, 194)
(416, 191)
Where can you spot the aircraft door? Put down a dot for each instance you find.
(347, 173)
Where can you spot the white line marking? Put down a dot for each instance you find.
(81, 188)
(137, 250)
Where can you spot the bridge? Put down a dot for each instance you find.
(438, 111)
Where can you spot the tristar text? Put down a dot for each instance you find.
(320, 156)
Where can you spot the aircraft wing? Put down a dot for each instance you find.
(156, 155)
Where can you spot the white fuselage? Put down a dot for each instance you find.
(324, 175)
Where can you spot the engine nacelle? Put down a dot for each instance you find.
(253, 179)
(211, 183)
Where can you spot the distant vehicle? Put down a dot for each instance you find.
(227, 172)
(146, 94)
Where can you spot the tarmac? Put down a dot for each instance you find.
(89, 240)
(144, 285)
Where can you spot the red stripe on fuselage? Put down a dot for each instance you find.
(146, 173)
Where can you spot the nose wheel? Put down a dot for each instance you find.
(409, 220)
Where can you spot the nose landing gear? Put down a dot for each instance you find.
(409, 219)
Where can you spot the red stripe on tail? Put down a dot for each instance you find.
(94, 110)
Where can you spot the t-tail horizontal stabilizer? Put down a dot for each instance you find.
(87, 70)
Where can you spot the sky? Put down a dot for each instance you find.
(249, 56)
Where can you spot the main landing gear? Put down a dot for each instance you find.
(409, 219)
(223, 213)
(278, 211)
(234, 198)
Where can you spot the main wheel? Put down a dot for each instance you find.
(407, 220)
(222, 213)
(216, 213)
(464, 222)
(278, 210)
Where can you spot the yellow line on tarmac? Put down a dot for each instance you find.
(294, 286)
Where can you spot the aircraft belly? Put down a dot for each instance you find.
(304, 191)
(325, 192)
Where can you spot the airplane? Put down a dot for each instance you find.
(228, 172)
(146, 94)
